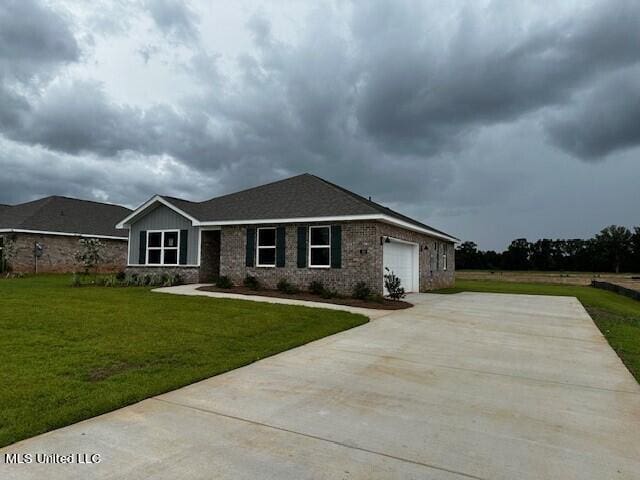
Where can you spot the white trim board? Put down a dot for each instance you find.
(156, 198)
(63, 234)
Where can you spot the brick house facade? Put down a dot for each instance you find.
(55, 225)
(362, 258)
(58, 253)
(311, 230)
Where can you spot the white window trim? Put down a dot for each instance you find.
(319, 246)
(444, 260)
(162, 248)
(274, 247)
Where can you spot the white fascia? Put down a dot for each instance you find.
(64, 234)
(157, 198)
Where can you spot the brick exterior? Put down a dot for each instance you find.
(188, 274)
(58, 253)
(361, 259)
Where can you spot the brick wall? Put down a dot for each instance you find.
(58, 253)
(361, 259)
(188, 274)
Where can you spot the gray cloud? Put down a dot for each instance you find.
(175, 18)
(404, 101)
(601, 121)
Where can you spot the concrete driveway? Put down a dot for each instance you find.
(462, 386)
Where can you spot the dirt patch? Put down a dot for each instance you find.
(562, 278)
(102, 373)
(386, 304)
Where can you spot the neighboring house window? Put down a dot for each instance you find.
(1, 253)
(266, 247)
(319, 247)
(162, 247)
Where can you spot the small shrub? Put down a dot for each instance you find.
(285, 287)
(328, 293)
(361, 291)
(375, 297)
(393, 285)
(76, 281)
(251, 282)
(316, 287)
(120, 276)
(224, 282)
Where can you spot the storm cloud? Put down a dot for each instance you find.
(440, 110)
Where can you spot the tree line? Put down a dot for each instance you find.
(614, 249)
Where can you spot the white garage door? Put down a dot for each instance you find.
(401, 259)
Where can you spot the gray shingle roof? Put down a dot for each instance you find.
(301, 196)
(64, 215)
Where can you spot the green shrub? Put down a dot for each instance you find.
(120, 276)
(316, 287)
(375, 297)
(76, 281)
(361, 291)
(328, 293)
(285, 287)
(251, 282)
(393, 285)
(224, 282)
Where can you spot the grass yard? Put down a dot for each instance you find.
(617, 317)
(68, 354)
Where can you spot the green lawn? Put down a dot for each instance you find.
(617, 317)
(67, 354)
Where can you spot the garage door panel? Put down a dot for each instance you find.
(399, 258)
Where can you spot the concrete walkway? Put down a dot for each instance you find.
(481, 386)
(192, 289)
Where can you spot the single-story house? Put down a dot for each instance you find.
(301, 229)
(45, 234)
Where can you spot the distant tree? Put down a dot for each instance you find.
(615, 243)
(492, 260)
(635, 249)
(468, 256)
(517, 255)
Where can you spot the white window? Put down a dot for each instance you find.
(319, 247)
(162, 247)
(444, 259)
(266, 247)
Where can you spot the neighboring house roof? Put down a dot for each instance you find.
(64, 215)
(303, 196)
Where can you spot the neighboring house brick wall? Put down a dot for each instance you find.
(361, 259)
(58, 253)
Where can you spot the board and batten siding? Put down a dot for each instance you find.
(163, 218)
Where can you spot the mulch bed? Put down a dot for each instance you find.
(352, 302)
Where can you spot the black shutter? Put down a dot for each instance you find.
(336, 246)
(184, 239)
(302, 247)
(142, 255)
(280, 246)
(251, 247)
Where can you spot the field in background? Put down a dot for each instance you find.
(563, 278)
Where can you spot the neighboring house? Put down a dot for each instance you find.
(301, 229)
(45, 233)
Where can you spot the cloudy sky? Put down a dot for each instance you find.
(489, 119)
